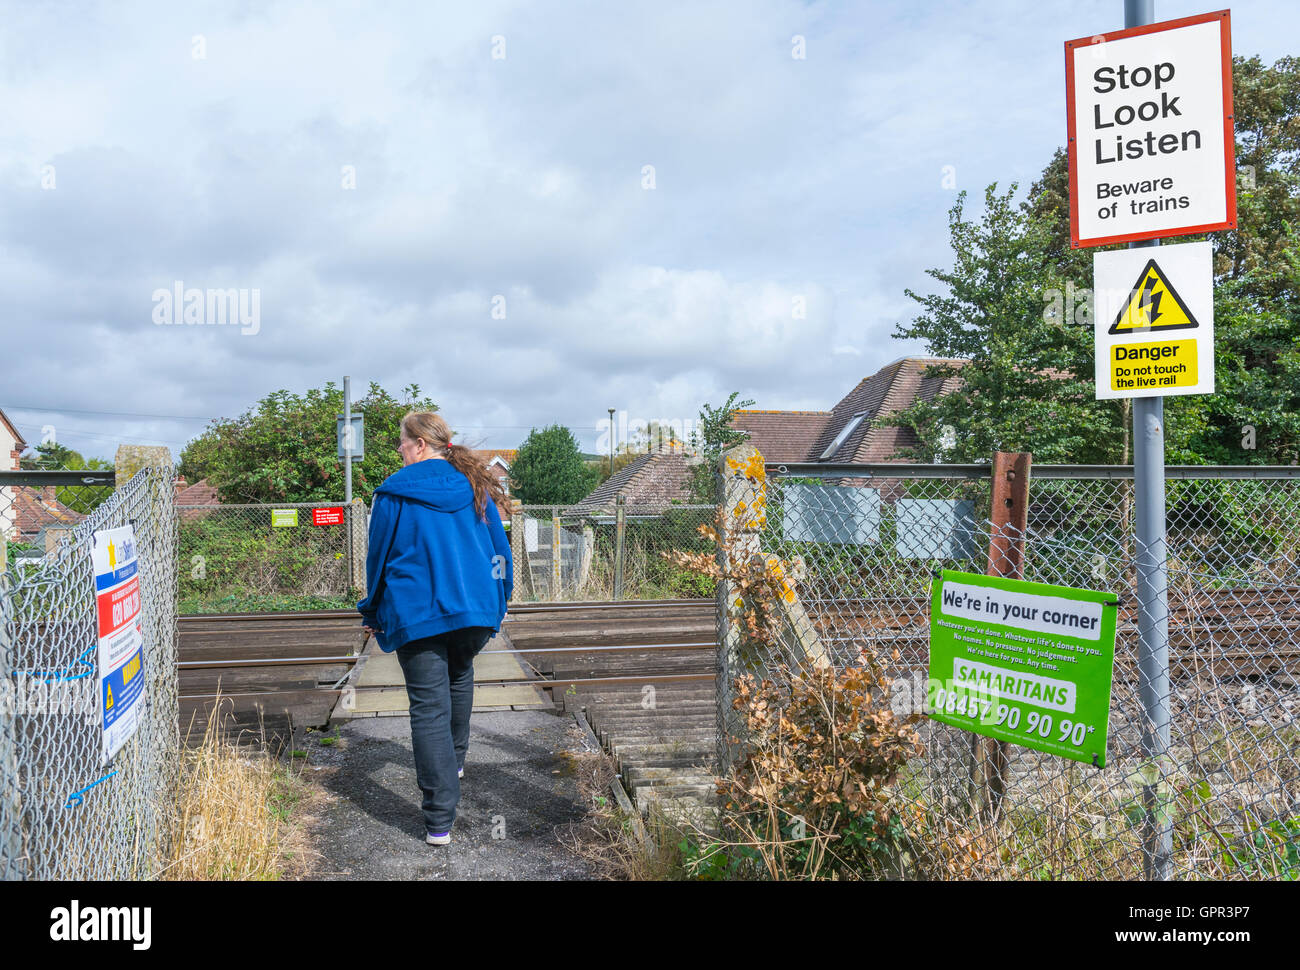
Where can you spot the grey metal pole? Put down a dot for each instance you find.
(347, 440)
(611, 441)
(1152, 589)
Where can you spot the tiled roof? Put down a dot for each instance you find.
(34, 509)
(907, 385)
(805, 435)
(505, 454)
(200, 493)
(782, 435)
(650, 482)
(17, 436)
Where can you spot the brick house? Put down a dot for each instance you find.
(25, 513)
(498, 462)
(11, 446)
(845, 433)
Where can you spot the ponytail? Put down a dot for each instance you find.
(485, 484)
(433, 429)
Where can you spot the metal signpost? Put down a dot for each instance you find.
(1151, 154)
(347, 440)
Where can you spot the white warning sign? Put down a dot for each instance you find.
(1151, 148)
(1154, 322)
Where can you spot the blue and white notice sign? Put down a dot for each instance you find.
(121, 635)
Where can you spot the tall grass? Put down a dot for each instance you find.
(231, 810)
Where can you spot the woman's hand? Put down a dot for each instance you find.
(371, 630)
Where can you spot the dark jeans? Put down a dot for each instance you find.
(439, 674)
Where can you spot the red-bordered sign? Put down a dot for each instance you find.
(330, 516)
(1158, 222)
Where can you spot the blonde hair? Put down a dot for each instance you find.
(433, 430)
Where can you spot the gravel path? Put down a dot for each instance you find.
(519, 788)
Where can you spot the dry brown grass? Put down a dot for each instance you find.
(608, 839)
(232, 812)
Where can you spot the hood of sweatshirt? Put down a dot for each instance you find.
(434, 482)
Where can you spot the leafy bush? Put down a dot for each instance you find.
(811, 794)
(234, 566)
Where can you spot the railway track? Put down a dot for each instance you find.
(273, 671)
(643, 672)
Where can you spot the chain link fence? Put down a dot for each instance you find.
(62, 814)
(561, 553)
(270, 558)
(858, 548)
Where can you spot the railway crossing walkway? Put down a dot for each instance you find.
(519, 801)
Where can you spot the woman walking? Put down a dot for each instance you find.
(439, 575)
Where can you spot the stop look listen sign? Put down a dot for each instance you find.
(1151, 148)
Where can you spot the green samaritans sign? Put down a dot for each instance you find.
(1024, 662)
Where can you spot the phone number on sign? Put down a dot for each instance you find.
(990, 713)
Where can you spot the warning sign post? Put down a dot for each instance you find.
(1154, 321)
(1149, 111)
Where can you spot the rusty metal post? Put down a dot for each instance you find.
(1010, 519)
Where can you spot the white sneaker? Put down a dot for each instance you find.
(441, 839)
(460, 773)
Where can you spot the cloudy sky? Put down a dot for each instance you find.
(536, 211)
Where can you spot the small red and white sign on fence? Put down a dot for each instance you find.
(331, 516)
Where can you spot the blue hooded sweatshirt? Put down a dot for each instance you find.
(433, 565)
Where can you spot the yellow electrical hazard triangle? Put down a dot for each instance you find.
(1154, 304)
(108, 699)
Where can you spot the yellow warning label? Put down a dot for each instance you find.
(108, 698)
(1154, 304)
(1142, 367)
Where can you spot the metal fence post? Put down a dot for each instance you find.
(557, 591)
(1153, 629)
(620, 530)
(1152, 587)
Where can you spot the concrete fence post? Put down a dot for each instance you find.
(557, 578)
(358, 545)
(620, 544)
(742, 496)
(519, 553)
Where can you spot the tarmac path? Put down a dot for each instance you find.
(519, 790)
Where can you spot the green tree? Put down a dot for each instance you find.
(1254, 415)
(1027, 381)
(549, 469)
(713, 435)
(285, 448)
(55, 457)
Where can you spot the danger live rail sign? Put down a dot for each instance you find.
(1154, 321)
(1149, 111)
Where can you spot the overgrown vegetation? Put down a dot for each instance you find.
(285, 448)
(231, 811)
(1015, 306)
(231, 563)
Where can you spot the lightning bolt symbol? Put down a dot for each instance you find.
(1150, 300)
